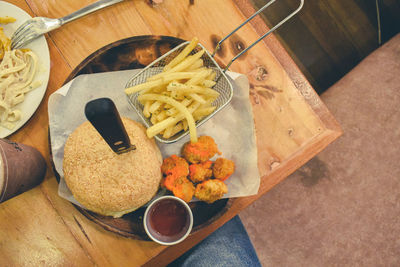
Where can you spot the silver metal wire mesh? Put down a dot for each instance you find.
(223, 86)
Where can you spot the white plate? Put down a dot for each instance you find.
(39, 46)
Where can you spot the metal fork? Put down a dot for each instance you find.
(37, 26)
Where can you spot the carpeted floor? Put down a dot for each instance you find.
(343, 207)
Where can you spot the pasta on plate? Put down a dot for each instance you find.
(17, 71)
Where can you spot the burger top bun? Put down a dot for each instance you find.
(108, 183)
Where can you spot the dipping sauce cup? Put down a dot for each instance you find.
(168, 220)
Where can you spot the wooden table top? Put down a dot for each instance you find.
(292, 125)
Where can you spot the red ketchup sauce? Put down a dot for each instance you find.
(169, 218)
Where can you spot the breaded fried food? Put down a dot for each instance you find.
(175, 165)
(200, 172)
(176, 169)
(180, 186)
(184, 190)
(210, 190)
(223, 168)
(201, 151)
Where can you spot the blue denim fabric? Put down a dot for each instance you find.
(228, 246)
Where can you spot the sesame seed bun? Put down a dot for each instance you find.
(108, 183)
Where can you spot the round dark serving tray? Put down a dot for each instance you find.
(132, 53)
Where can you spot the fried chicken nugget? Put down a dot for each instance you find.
(176, 169)
(210, 190)
(175, 165)
(180, 186)
(200, 172)
(201, 151)
(223, 168)
(184, 190)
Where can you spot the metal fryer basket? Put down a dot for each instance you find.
(223, 84)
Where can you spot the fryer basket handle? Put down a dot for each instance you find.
(259, 39)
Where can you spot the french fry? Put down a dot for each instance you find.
(175, 95)
(155, 106)
(146, 108)
(188, 89)
(180, 67)
(169, 77)
(212, 76)
(185, 124)
(172, 130)
(162, 125)
(203, 111)
(182, 109)
(208, 83)
(175, 85)
(187, 62)
(193, 43)
(197, 98)
(198, 77)
(153, 119)
(196, 65)
(178, 96)
(198, 117)
(168, 132)
(186, 102)
(177, 128)
(162, 115)
(143, 86)
(209, 101)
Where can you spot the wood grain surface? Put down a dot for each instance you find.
(292, 126)
(328, 38)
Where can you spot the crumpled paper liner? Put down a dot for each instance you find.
(232, 128)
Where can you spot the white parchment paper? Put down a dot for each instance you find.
(232, 128)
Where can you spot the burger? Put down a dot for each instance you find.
(108, 183)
